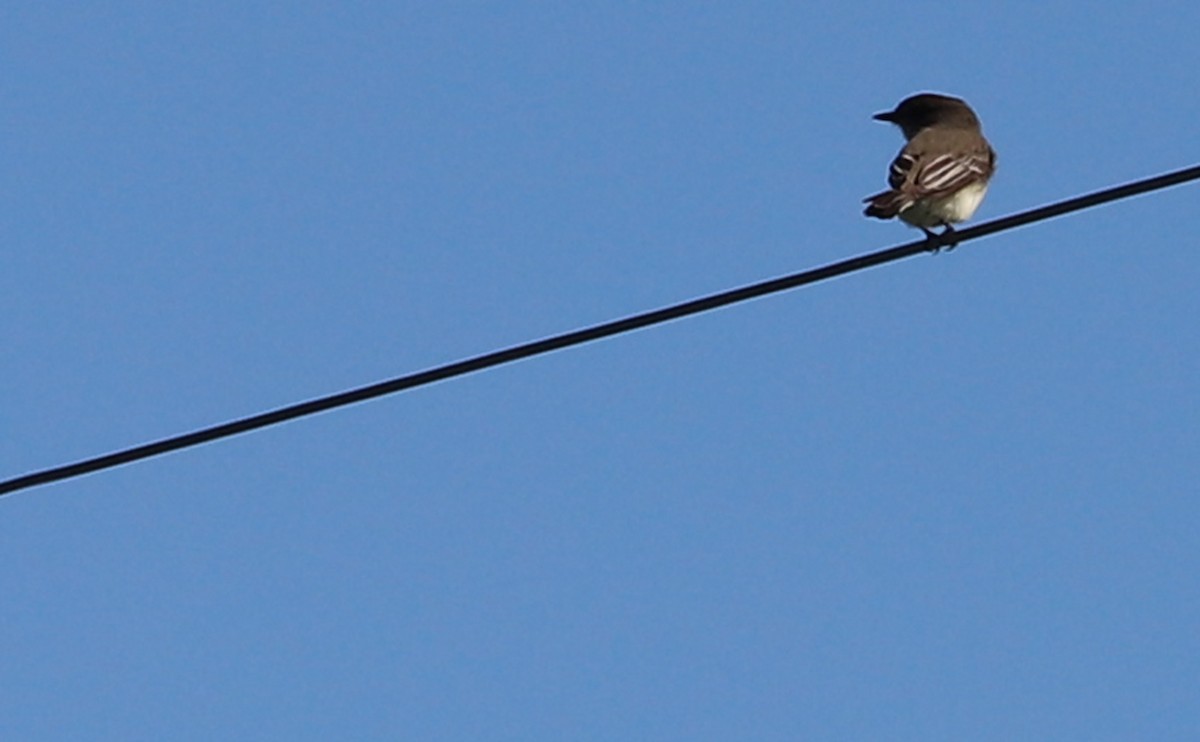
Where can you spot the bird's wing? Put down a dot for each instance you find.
(923, 175)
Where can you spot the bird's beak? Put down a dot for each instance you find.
(889, 116)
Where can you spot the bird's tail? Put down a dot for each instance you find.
(886, 205)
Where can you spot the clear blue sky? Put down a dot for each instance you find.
(953, 498)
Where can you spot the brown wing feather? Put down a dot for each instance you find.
(914, 176)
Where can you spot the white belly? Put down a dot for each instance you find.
(957, 207)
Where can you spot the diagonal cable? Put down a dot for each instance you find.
(584, 335)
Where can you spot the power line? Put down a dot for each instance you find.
(585, 335)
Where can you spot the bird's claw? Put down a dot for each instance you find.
(947, 239)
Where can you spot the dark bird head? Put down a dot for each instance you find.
(923, 110)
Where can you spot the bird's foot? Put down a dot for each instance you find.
(947, 239)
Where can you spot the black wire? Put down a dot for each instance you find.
(585, 335)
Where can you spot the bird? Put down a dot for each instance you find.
(940, 176)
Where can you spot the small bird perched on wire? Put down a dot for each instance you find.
(941, 174)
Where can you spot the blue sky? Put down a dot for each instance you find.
(951, 498)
